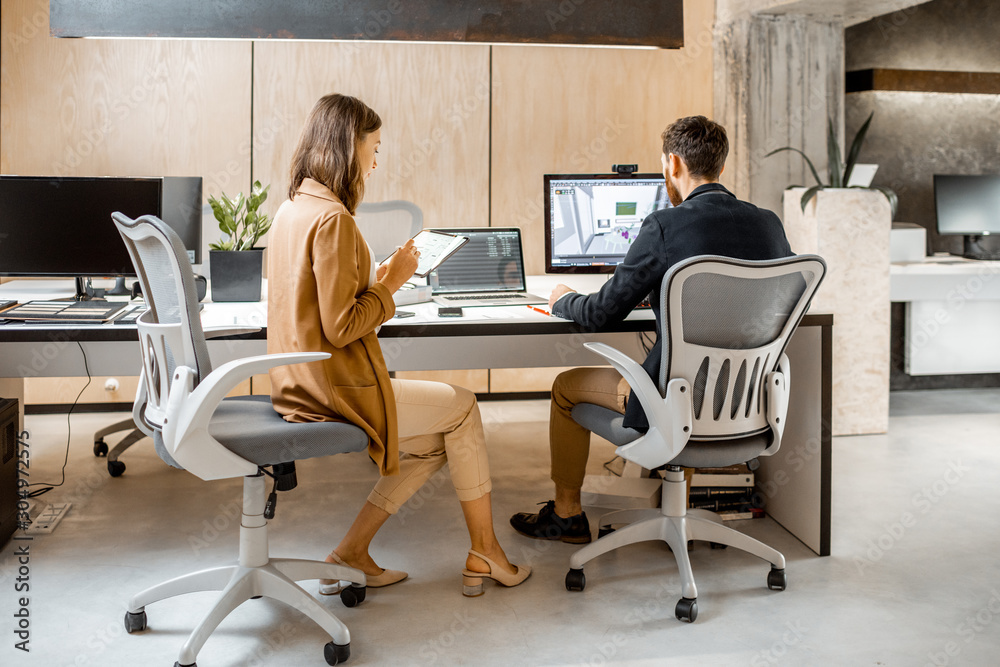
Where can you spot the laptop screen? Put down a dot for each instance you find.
(490, 262)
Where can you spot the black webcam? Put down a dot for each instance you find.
(625, 169)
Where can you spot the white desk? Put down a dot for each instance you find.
(952, 314)
(796, 481)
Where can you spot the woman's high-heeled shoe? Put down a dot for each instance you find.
(384, 578)
(472, 582)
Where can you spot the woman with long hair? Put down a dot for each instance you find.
(325, 293)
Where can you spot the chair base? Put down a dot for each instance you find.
(675, 525)
(254, 576)
(115, 467)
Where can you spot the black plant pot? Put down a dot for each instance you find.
(236, 275)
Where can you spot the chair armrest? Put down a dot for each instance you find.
(778, 382)
(190, 409)
(219, 332)
(670, 418)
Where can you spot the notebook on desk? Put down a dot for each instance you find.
(64, 311)
(486, 271)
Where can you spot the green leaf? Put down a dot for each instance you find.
(890, 195)
(809, 194)
(815, 173)
(852, 155)
(239, 218)
(833, 156)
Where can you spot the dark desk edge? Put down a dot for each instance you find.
(17, 333)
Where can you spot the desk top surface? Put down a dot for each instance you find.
(476, 321)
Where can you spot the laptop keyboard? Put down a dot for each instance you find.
(483, 297)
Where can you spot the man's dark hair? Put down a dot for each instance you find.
(700, 142)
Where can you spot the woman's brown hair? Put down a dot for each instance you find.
(327, 148)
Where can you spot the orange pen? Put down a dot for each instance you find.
(539, 310)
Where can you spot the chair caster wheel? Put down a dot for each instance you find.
(116, 468)
(604, 530)
(686, 610)
(776, 580)
(135, 622)
(336, 653)
(353, 595)
(575, 580)
(100, 447)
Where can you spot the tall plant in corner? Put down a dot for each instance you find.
(839, 173)
(240, 220)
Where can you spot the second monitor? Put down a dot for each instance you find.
(592, 220)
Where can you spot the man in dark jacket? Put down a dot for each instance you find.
(706, 219)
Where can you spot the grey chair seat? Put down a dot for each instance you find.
(250, 427)
(697, 454)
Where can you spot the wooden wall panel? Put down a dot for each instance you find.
(580, 110)
(80, 107)
(434, 104)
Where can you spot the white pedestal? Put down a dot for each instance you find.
(849, 228)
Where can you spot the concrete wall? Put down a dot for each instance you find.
(915, 135)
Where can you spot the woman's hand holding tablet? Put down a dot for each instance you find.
(434, 248)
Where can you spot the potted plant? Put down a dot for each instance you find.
(235, 266)
(839, 175)
(850, 228)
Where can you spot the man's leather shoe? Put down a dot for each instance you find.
(547, 525)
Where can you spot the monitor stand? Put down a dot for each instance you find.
(982, 247)
(86, 292)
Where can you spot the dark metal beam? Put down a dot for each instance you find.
(657, 23)
(923, 81)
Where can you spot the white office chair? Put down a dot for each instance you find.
(181, 405)
(387, 224)
(722, 399)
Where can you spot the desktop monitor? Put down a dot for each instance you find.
(591, 220)
(969, 206)
(61, 226)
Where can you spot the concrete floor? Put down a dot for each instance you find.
(914, 578)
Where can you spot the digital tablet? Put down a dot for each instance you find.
(434, 247)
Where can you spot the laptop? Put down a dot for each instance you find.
(486, 271)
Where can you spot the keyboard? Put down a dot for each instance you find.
(130, 314)
(484, 297)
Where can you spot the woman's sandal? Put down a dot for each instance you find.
(472, 582)
(384, 578)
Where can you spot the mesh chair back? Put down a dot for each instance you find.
(388, 224)
(726, 325)
(170, 332)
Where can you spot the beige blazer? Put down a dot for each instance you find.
(319, 300)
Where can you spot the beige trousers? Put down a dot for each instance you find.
(568, 441)
(438, 423)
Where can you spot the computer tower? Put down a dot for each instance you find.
(8, 468)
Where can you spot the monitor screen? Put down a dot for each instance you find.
(968, 205)
(490, 261)
(181, 208)
(591, 220)
(61, 226)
